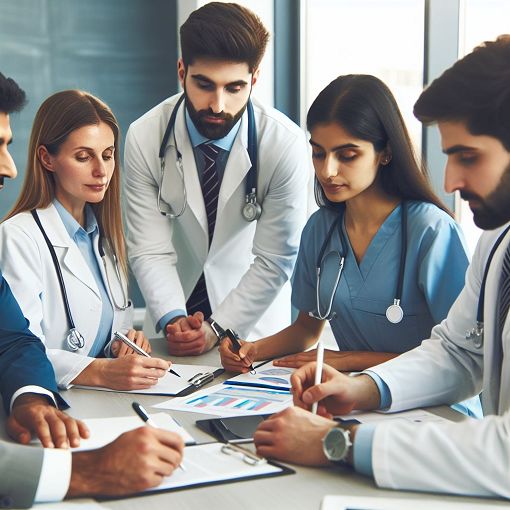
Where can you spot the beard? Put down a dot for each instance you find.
(207, 129)
(494, 210)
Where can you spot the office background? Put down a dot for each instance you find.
(125, 52)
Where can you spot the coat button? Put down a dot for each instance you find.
(6, 501)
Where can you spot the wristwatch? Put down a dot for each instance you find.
(217, 329)
(336, 445)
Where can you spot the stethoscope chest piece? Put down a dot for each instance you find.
(394, 312)
(75, 340)
(251, 209)
(475, 335)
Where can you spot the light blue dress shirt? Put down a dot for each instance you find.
(225, 146)
(436, 263)
(84, 239)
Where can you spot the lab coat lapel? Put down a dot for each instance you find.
(238, 164)
(72, 259)
(496, 393)
(191, 180)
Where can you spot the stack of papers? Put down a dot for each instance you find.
(265, 376)
(227, 400)
(106, 430)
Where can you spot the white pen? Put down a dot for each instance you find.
(137, 348)
(318, 370)
(144, 415)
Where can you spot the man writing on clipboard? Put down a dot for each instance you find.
(216, 191)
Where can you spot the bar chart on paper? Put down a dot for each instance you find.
(225, 400)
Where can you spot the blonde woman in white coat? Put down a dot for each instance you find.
(70, 205)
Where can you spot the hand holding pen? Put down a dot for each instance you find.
(144, 416)
(120, 349)
(119, 336)
(236, 355)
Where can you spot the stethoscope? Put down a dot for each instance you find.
(251, 209)
(475, 334)
(394, 312)
(75, 339)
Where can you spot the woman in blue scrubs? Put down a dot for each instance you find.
(367, 179)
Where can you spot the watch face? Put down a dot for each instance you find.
(336, 444)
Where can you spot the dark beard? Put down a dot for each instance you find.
(494, 210)
(212, 131)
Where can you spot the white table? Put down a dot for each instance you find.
(303, 490)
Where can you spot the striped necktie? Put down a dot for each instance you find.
(504, 291)
(199, 300)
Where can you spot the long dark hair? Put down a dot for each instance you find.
(365, 107)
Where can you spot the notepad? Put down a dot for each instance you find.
(389, 503)
(169, 384)
(106, 430)
(265, 376)
(207, 464)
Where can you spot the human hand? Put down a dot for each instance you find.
(131, 372)
(337, 394)
(33, 415)
(240, 361)
(293, 435)
(109, 471)
(335, 359)
(120, 349)
(190, 336)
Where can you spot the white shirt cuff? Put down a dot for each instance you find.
(55, 475)
(33, 389)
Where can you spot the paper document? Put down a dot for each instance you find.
(106, 430)
(423, 503)
(414, 415)
(169, 384)
(77, 504)
(225, 400)
(207, 463)
(266, 376)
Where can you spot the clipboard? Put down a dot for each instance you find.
(235, 428)
(199, 380)
(210, 464)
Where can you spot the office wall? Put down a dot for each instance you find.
(123, 51)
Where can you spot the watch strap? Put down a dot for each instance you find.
(217, 329)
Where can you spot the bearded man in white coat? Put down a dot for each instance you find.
(203, 242)
(471, 104)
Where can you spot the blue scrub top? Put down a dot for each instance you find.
(436, 263)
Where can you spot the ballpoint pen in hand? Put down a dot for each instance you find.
(318, 370)
(144, 415)
(136, 348)
(232, 335)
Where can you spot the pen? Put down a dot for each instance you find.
(144, 415)
(236, 345)
(136, 348)
(318, 371)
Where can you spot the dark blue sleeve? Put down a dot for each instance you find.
(23, 359)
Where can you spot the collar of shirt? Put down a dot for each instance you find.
(197, 139)
(74, 229)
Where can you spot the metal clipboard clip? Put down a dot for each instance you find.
(200, 379)
(248, 457)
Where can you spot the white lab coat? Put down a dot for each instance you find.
(248, 264)
(471, 457)
(28, 268)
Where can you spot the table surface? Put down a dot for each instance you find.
(303, 490)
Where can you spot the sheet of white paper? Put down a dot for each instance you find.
(414, 415)
(77, 504)
(424, 503)
(169, 384)
(207, 463)
(106, 430)
(265, 376)
(225, 400)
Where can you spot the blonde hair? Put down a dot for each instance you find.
(58, 116)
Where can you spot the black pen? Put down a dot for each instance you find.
(234, 338)
(144, 415)
(136, 348)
